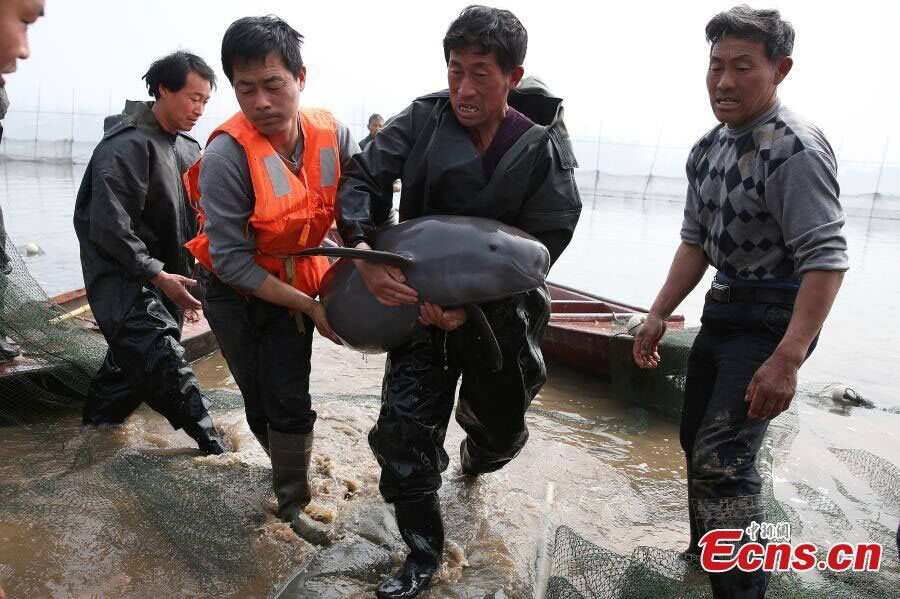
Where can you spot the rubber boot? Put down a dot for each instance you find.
(291, 455)
(7, 351)
(206, 436)
(196, 422)
(421, 527)
(469, 465)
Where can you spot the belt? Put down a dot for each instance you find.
(751, 295)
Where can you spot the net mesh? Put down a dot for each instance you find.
(58, 354)
(583, 569)
(660, 389)
(83, 495)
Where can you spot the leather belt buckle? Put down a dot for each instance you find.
(720, 292)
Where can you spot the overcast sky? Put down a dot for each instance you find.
(626, 68)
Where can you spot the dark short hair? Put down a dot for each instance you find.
(171, 72)
(375, 116)
(252, 38)
(494, 30)
(765, 26)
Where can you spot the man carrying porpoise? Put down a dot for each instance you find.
(493, 145)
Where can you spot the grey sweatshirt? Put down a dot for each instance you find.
(227, 199)
(762, 200)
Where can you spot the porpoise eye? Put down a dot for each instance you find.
(493, 247)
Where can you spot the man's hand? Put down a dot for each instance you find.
(646, 343)
(772, 387)
(175, 288)
(385, 283)
(317, 313)
(447, 320)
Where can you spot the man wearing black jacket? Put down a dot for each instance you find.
(132, 220)
(494, 146)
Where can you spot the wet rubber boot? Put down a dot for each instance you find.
(205, 434)
(196, 422)
(291, 455)
(421, 527)
(7, 351)
(469, 465)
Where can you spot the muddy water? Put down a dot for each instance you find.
(606, 470)
(622, 249)
(612, 472)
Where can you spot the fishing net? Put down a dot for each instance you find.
(204, 527)
(581, 568)
(58, 354)
(660, 389)
(140, 520)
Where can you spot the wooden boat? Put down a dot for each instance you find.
(578, 336)
(197, 338)
(581, 326)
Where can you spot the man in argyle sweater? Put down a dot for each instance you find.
(762, 207)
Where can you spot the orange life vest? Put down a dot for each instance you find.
(291, 212)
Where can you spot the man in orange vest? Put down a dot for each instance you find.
(265, 189)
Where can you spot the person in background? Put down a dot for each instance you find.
(493, 145)
(132, 220)
(762, 208)
(265, 189)
(15, 18)
(376, 122)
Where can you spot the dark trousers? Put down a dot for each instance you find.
(719, 441)
(145, 363)
(419, 388)
(268, 356)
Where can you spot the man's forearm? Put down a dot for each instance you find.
(814, 300)
(686, 271)
(279, 293)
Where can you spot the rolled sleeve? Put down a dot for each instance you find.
(803, 195)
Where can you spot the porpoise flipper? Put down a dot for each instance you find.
(477, 314)
(373, 255)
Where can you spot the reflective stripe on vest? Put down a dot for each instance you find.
(291, 212)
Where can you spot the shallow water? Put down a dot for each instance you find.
(622, 250)
(611, 471)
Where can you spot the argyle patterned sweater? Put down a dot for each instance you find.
(763, 200)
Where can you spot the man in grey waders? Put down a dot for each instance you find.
(493, 145)
(132, 219)
(762, 207)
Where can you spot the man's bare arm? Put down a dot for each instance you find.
(686, 271)
(775, 382)
(275, 291)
